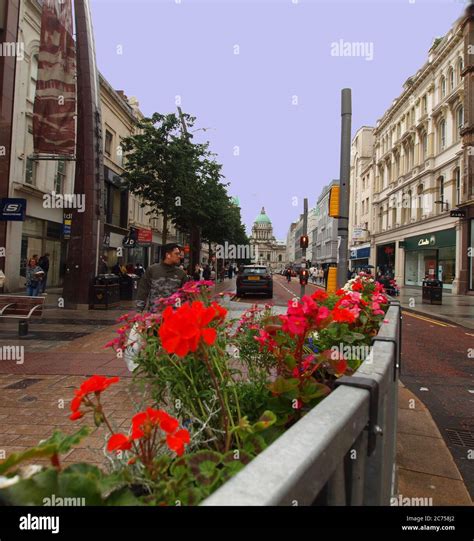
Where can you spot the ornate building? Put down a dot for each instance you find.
(266, 248)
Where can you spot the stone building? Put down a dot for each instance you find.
(266, 248)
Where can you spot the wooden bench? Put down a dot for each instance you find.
(21, 308)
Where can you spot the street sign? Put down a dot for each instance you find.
(458, 213)
(145, 237)
(12, 210)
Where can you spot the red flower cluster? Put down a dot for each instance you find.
(184, 329)
(144, 427)
(303, 316)
(95, 384)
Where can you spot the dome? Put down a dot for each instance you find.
(262, 218)
(235, 201)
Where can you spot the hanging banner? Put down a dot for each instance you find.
(55, 99)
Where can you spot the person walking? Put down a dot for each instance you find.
(288, 275)
(34, 276)
(231, 271)
(44, 264)
(206, 273)
(161, 279)
(325, 275)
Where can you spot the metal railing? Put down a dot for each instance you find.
(340, 453)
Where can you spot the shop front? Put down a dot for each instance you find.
(359, 257)
(432, 255)
(38, 238)
(386, 258)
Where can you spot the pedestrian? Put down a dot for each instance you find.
(34, 276)
(288, 274)
(139, 270)
(325, 276)
(197, 273)
(103, 268)
(213, 274)
(44, 264)
(231, 271)
(206, 273)
(161, 279)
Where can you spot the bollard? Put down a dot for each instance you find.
(22, 328)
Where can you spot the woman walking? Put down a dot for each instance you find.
(34, 276)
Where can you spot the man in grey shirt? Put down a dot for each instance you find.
(161, 279)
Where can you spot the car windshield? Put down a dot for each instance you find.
(255, 270)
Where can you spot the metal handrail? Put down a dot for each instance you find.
(323, 458)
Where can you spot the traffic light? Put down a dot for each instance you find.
(304, 277)
(334, 202)
(304, 241)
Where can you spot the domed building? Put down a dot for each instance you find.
(266, 248)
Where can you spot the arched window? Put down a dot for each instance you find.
(460, 118)
(451, 79)
(279, 258)
(443, 86)
(460, 69)
(442, 135)
(424, 145)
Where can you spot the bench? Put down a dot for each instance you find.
(21, 308)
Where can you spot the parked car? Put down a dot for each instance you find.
(255, 279)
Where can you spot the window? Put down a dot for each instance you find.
(60, 179)
(460, 118)
(424, 102)
(279, 258)
(451, 79)
(443, 86)
(442, 135)
(441, 189)
(33, 77)
(424, 142)
(409, 205)
(419, 205)
(457, 176)
(30, 175)
(460, 69)
(268, 257)
(108, 143)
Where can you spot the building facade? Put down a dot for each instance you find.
(419, 173)
(267, 250)
(326, 245)
(360, 198)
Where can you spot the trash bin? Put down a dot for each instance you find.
(129, 287)
(432, 292)
(106, 292)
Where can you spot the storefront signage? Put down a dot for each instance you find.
(458, 213)
(427, 242)
(439, 239)
(12, 210)
(360, 253)
(358, 233)
(106, 240)
(144, 237)
(67, 224)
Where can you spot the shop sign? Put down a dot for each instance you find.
(458, 213)
(67, 225)
(431, 241)
(358, 233)
(106, 240)
(12, 210)
(144, 237)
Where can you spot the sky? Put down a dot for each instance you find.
(264, 77)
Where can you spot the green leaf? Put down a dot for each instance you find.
(283, 385)
(267, 419)
(254, 444)
(123, 497)
(203, 465)
(312, 389)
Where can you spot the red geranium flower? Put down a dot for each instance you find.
(177, 441)
(343, 315)
(184, 329)
(119, 442)
(95, 384)
(319, 295)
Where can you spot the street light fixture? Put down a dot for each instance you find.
(441, 202)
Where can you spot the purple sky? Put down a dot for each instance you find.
(286, 150)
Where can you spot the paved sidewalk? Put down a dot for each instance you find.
(425, 466)
(457, 309)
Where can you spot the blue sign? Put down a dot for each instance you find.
(12, 210)
(360, 253)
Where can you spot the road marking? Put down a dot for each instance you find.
(429, 320)
(424, 389)
(291, 292)
(469, 334)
